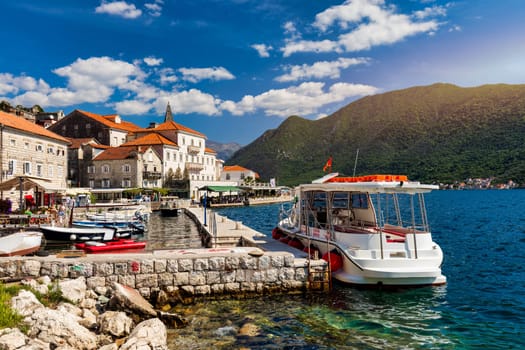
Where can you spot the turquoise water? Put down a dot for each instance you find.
(482, 234)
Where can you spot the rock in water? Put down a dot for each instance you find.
(130, 301)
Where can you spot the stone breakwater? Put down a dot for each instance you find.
(182, 275)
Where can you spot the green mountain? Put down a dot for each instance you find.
(440, 133)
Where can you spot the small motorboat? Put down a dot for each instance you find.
(78, 234)
(111, 246)
(20, 243)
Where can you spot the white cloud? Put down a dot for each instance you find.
(430, 12)
(167, 76)
(319, 70)
(262, 49)
(195, 75)
(153, 61)
(304, 99)
(364, 24)
(188, 101)
(154, 8)
(132, 107)
(119, 8)
(94, 72)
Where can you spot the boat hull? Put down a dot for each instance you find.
(170, 212)
(20, 243)
(369, 268)
(113, 246)
(76, 234)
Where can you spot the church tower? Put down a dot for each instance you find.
(168, 116)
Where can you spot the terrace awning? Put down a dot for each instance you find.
(220, 189)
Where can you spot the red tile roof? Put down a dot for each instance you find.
(171, 125)
(209, 150)
(109, 120)
(235, 168)
(76, 143)
(150, 139)
(119, 153)
(12, 121)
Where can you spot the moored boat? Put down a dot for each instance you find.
(170, 206)
(373, 230)
(20, 243)
(81, 234)
(111, 246)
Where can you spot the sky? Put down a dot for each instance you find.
(232, 69)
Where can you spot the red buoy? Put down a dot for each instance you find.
(277, 233)
(334, 259)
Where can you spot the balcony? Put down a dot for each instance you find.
(193, 149)
(151, 175)
(195, 166)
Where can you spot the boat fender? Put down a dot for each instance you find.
(334, 259)
(400, 183)
(276, 233)
(73, 237)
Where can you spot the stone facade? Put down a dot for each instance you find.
(30, 150)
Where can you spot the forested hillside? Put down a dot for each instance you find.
(436, 133)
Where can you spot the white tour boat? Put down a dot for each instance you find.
(372, 230)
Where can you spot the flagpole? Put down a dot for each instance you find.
(355, 163)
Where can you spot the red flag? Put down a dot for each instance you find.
(328, 164)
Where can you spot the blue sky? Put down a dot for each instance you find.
(233, 69)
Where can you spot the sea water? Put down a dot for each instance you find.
(482, 234)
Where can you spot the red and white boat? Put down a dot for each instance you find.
(373, 230)
(111, 246)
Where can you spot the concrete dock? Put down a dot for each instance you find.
(226, 232)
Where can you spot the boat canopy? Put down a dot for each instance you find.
(369, 183)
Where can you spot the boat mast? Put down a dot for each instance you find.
(355, 162)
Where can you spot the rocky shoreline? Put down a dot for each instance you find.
(115, 318)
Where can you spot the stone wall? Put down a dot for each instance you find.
(185, 274)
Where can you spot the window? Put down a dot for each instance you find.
(91, 169)
(12, 142)
(115, 141)
(126, 183)
(150, 156)
(39, 170)
(168, 156)
(60, 171)
(26, 145)
(126, 168)
(27, 168)
(75, 127)
(106, 183)
(50, 149)
(227, 176)
(91, 183)
(242, 176)
(105, 169)
(11, 167)
(88, 126)
(50, 171)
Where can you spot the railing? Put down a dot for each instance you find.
(194, 166)
(151, 175)
(193, 149)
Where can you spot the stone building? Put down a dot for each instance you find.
(125, 167)
(34, 155)
(108, 130)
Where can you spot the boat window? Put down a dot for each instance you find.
(340, 200)
(319, 200)
(359, 200)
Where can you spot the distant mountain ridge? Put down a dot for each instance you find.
(440, 133)
(224, 150)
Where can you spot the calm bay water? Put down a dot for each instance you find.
(482, 234)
